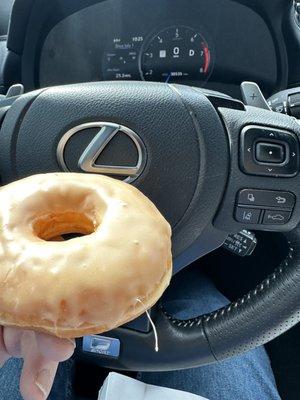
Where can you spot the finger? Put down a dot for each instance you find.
(12, 339)
(55, 349)
(38, 372)
(4, 356)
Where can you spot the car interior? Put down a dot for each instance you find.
(212, 88)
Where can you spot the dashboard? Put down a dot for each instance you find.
(206, 43)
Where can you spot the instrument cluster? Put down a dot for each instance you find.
(174, 54)
(213, 43)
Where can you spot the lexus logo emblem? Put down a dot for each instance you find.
(87, 160)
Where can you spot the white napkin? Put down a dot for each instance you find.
(120, 387)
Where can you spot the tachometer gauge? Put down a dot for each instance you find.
(176, 54)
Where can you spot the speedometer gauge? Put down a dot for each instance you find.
(176, 54)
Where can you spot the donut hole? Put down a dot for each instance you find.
(63, 226)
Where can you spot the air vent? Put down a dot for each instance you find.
(297, 12)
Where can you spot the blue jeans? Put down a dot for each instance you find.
(246, 377)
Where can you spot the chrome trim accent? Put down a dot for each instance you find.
(97, 145)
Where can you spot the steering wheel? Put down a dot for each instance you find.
(210, 164)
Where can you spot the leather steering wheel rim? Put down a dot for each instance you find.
(232, 330)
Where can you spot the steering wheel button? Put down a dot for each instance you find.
(270, 153)
(276, 217)
(247, 215)
(267, 198)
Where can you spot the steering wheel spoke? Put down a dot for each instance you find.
(263, 184)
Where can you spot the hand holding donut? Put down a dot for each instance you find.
(41, 354)
(117, 267)
(120, 264)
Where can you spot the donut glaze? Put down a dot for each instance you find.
(88, 284)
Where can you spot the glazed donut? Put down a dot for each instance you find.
(89, 284)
